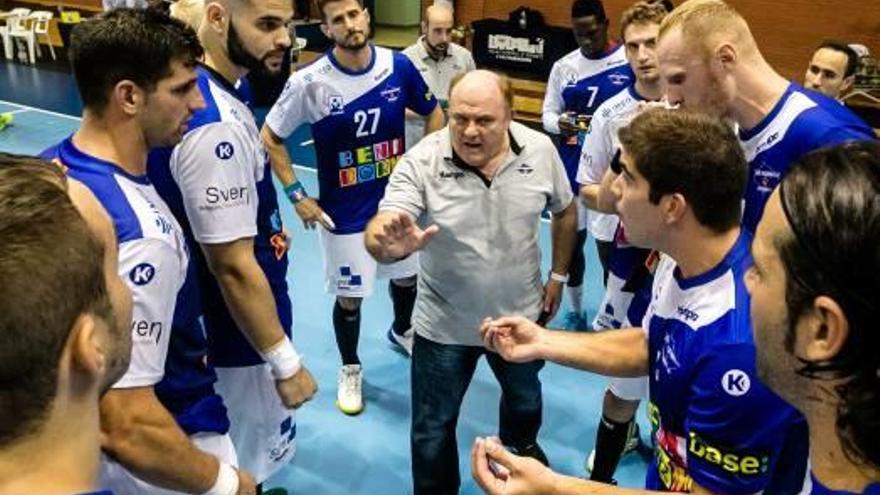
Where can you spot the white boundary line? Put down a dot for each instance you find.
(40, 110)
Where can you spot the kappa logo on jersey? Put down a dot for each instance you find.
(391, 93)
(335, 105)
(687, 314)
(382, 74)
(142, 274)
(618, 79)
(736, 382)
(445, 174)
(224, 150)
(772, 138)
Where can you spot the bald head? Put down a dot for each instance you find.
(706, 24)
(475, 84)
(479, 117)
(438, 14)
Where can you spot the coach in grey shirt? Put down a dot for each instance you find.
(438, 60)
(470, 197)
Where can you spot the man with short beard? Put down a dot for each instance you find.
(218, 183)
(438, 59)
(355, 99)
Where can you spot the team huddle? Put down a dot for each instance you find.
(736, 215)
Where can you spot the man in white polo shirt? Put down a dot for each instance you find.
(438, 60)
(478, 189)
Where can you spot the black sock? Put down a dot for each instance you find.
(403, 299)
(610, 441)
(347, 325)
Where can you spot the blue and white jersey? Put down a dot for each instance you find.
(357, 121)
(187, 389)
(800, 122)
(817, 488)
(218, 182)
(153, 256)
(600, 145)
(628, 289)
(714, 422)
(579, 84)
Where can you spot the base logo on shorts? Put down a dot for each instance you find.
(348, 280)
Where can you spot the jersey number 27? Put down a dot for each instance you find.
(367, 121)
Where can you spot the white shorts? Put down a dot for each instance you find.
(615, 303)
(631, 389)
(350, 271)
(121, 481)
(262, 429)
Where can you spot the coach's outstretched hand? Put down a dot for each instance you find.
(296, 390)
(392, 236)
(515, 338)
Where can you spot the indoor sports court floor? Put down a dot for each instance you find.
(369, 453)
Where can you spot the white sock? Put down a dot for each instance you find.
(575, 298)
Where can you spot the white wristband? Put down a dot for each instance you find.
(559, 278)
(227, 481)
(283, 359)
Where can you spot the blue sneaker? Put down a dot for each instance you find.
(402, 342)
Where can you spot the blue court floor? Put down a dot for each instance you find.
(369, 453)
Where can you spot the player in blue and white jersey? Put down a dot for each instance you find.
(628, 282)
(218, 182)
(354, 98)
(778, 120)
(711, 62)
(580, 82)
(814, 309)
(717, 428)
(128, 108)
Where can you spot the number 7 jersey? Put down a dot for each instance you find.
(357, 121)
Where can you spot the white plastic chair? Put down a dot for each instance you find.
(40, 20)
(16, 27)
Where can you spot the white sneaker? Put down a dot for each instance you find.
(348, 389)
(405, 341)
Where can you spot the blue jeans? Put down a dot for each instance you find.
(440, 377)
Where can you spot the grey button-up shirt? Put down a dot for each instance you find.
(485, 260)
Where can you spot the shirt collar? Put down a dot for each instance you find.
(451, 157)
